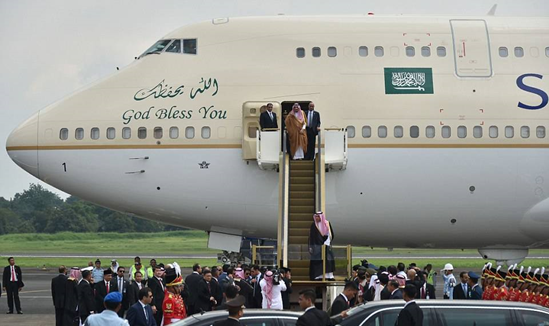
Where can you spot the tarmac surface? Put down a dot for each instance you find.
(37, 304)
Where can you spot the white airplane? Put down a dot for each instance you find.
(445, 120)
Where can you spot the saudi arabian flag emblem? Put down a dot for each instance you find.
(409, 81)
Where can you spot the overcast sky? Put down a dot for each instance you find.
(51, 48)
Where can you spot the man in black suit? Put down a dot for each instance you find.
(205, 300)
(13, 283)
(102, 288)
(267, 119)
(286, 274)
(140, 313)
(257, 298)
(393, 287)
(313, 127)
(231, 292)
(122, 286)
(343, 301)
(217, 288)
(191, 284)
(157, 286)
(411, 314)
(312, 316)
(384, 280)
(461, 289)
(134, 288)
(58, 288)
(86, 305)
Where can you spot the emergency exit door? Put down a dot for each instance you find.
(471, 48)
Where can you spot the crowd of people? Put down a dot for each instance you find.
(519, 285)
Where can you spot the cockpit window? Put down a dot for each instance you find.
(157, 47)
(175, 47)
(189, 46)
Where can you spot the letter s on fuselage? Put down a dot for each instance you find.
(530, 89)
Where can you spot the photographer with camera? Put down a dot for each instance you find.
(271, 287)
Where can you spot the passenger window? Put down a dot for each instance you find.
(540, 132)
(493, 132)
(332, 51)
(175, 47)
(64, 134)
(363, 51)
(410, 51)
(367, 132)
(378, 50)
(430, 132)
(300, 52)
(414, 131)
(158, 133)
(462, 131)
(382, 132)
(316, 52)
(189, 132)
(189, 46)
(468, 316)
(441, 51)
(174, 132)
(206, 132)
(446, 132)
(399, 132)
(477, 132)
(547, 51)
(503, 52)
(79, 133)
(111, 133)
(519, 52)
(350, 131)
(533, 317)
(509, 132)
(94, 133)
(142, 133)
(525, 132)
(426, 51)
(126, 132)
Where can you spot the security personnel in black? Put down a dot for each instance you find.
(236, 311)
(58, 288)
(267, 119)
(313, 127)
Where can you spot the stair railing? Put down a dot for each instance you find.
(282, 245)
(319, 167)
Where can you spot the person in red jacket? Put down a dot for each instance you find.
(173, 305)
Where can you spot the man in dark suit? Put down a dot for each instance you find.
(313, 127)
(157, 286)
(191, 284)
(461, 289)
(134, 288)
(205, 300)
(86, 305)
(312, 316)
(384, 280)
(286, 274)
(231, 292)
(393, 287)
(102, 288)
(13, 283)
(267, 119)
(217, 288)
(58, 288)
(343, 301)
(122, 286)
(235, 312)
(257, 298)
(411, 314)
(140, 313)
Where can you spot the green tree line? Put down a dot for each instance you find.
(38, 210)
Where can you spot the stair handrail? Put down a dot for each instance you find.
(318, 186)
(283, 221)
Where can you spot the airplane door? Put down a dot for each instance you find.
(250, 124)
(471, 48)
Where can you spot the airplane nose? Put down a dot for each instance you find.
(22, 145)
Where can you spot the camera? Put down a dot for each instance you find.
(276, 276)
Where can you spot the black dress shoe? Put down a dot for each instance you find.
(9, 312)
(19, 312)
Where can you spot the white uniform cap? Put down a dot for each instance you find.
(448, 267)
